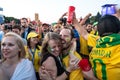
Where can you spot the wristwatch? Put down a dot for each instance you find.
(67, 73)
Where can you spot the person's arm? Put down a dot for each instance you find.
(83, 63)
(39, 26)
(50, 66)
(89, 75)
(80, 26)
(65, 14)
(117, 14)
(45, 75)
(63, 76)
(66, 73)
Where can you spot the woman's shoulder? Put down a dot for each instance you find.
(26, 62)
(48, 57)
(50, 61)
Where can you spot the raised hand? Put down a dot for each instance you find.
(85, 18)
(73, 62)
(82, 22)
(73, 46)
(80, 26)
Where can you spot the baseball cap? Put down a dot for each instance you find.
(45, 24)
(33, 34)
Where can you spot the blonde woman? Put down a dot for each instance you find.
(13, 63)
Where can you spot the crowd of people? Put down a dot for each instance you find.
(61, 51)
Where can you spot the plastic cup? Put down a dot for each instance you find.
(84, 65)
(70, 14)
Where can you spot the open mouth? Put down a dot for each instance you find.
(63, 41)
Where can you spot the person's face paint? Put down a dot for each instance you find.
(50, 49)
(66, 37)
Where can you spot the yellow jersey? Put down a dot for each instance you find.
(76, 74)
(105, 59)
(34, 58)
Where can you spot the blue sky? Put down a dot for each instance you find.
(50, 10)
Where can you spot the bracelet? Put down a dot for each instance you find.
(67, 73)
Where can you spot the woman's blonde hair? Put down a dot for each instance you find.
(19, 42)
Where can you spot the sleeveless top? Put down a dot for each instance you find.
(60, 68)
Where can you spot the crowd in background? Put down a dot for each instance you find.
(61, 51)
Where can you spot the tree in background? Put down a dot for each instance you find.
(8, 19)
